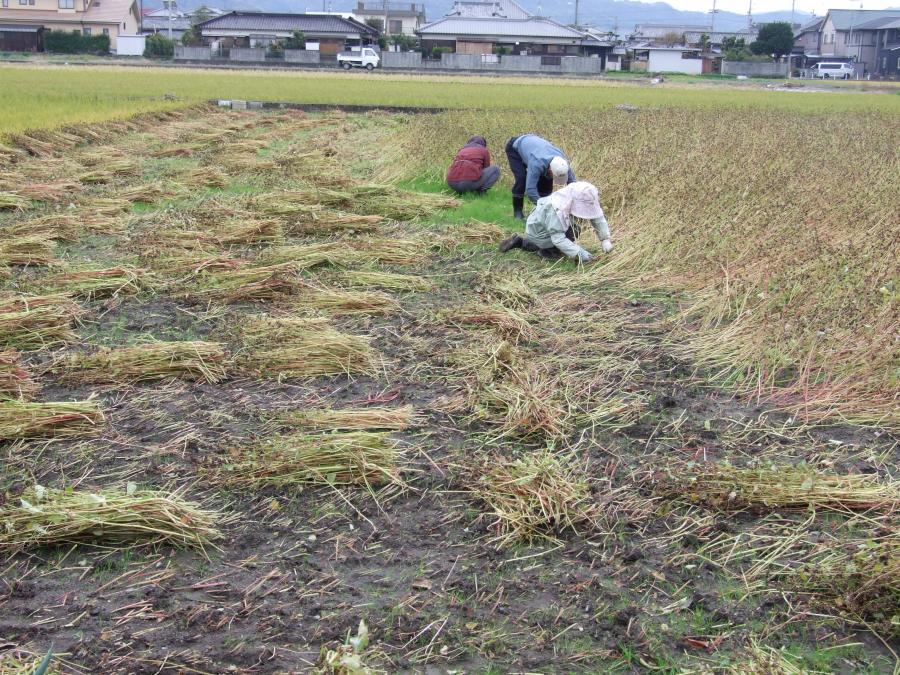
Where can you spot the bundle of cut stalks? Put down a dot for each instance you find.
(387, 251)
(332, 221)
(36, 321)
(122, 166)
(536, 497)
(399, 282)
(356, 458)
(351, 419)
(270, 282)
(229, 233)
(54, 191)
(204, 176)
(194, 360)
(388, 201)
(30, 250)
(324, 299)
(509, 322)
(862, 579)
(47, 517)
(235, 164)
(302, 348)
(98, 283)
(784, 487)
(530, 403)
(15, 380)
(11, 201)
(192, 264)
(184, 150)
(304, 257)
(285, 205)
(96, 177)
(61, 227)
(478, 232)
(102, 206)
(149, 192)
(510, 291)
(19, 419)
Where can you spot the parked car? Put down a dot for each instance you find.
(836, 71)
(360, 58)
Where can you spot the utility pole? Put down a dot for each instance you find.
(576, 13)
(386, 25)
(750, 17)
(793, 2)
(712, 23)
(170, 18)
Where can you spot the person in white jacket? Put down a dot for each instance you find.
(549, 230)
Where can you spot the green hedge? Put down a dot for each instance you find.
(67, 42)
(159, 46)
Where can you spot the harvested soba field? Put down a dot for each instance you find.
(269, 404)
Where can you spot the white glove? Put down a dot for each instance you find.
(584, 256)
(607, 245)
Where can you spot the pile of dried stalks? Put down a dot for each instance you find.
(47, 517)
(15, 380)
(351, 419)
(302, 348)
(35, 249)
(189, 360)
(390, 280)
(97, 283)
(269, 282)
(732, 488)
(11, 201)
(19, 419)
(332, 221)
(36, 321)
(537, 496)
(356, 458)
(331, 301)
(53, 191)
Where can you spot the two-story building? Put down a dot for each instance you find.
(402, 18)
(22, 21)
(687, 35)
(845, 35)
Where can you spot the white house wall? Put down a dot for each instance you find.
(671, 62)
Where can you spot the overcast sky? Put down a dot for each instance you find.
(740, 6)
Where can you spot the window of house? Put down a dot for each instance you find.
(23, 2)
(395, 27)
(6, 3)
(106, 31)
(690, 55)
(67, 4)
(87, 31)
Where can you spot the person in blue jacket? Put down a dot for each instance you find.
(536, 164)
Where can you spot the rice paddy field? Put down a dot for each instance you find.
(271, 401)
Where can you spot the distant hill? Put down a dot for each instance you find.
(618, 15)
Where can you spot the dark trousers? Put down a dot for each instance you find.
(520, 173)
(489, 176)
(552, 252)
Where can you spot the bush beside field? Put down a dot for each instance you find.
(781, 228)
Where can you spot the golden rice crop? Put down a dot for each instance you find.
(332, 301)
(183, 150)
(105, 206)
(305, 256)
(148, 192)
(19, 419)
(47, 517)
(36, 321)
(354, 458)
(322, 222)
(203, 176)
(52, 191)
(189, 360)
(371, 418)
(302, 348)
(62, 226)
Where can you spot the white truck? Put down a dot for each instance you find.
(364, 57)
(836, 71)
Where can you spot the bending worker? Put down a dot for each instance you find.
(536, 164)
(471, 170)
(550, 231)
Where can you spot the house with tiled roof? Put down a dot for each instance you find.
(26, 18)
(857, 36)
(484, 27)
(331, 33)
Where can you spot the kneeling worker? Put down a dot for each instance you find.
(550, 231)
(471, 170)
(536, 165)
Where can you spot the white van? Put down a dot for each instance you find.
(834, 71)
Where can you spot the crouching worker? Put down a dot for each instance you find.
(536, 164)
(550, 232)
(471, 170)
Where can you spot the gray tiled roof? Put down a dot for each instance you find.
(534, 27)
(843, 19)
(261, 22)
(882, 23)
(487, 9)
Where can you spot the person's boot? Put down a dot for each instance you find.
(510, 243)
(518, 206)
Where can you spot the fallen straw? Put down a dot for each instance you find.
(15, 380)
(45, 517)
(37, 420)
(350, 419)
(189, 360)
(36, 321)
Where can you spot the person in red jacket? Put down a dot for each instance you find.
(471, 170)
